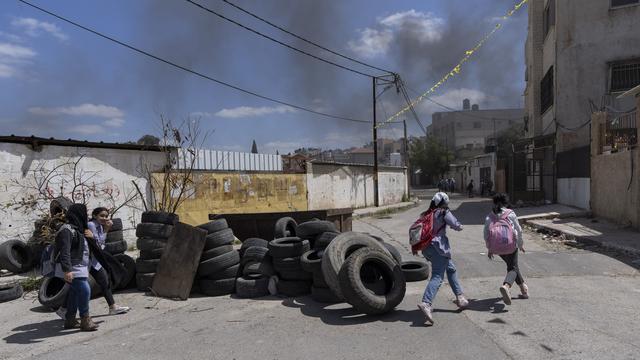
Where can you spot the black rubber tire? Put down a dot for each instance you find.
(291, 269)
(53, 292)
(149, 244)
(153, 230)
(114, 236)
(255, 253)
(264, 268)
(415, 270)
(130, 266)
(144, 281)
(285, 227)
(288, 247)
(217, 287)
(318, 280)
(230, 272)
(159, 217)
(117, 225)
(251, 287)
(311, 261)
(15, 256)
(211, 253)
(59, 204)
(311, 229)
(293, 287)
(116, 247)
(214, 226)
(394, 252)
(323, 240)
(12, 293)
(358, 295)
(218, 263)
(337, 252)
(146, 266)
(219, 238)
(151, 254)
(251, 242)
(324, 295)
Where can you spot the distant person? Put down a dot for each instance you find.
(470, 188)
(439, 254)
(503, 237)
(489, 187)
(453, 185)
(73, 266)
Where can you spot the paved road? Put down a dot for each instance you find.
(584, 305)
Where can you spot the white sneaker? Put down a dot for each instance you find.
(62, 313)
(506, 295)
(462, 302)
(524, 291)
(119, 310)
(426, 310)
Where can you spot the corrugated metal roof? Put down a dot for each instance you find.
(35, 141)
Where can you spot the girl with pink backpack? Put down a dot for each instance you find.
(503, 237)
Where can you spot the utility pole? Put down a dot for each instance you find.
(376, 200)
(406, 156)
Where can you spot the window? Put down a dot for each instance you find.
(617, 3)
(477, 125)
(546, 91)
(624, 76)
(549, 19)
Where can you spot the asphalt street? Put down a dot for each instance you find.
(583, 305)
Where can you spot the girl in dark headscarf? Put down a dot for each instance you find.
(73, 261)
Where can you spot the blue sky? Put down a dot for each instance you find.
(60, 81)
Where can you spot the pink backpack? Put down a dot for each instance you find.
(501, 240)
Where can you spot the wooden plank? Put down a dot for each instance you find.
(179, 262)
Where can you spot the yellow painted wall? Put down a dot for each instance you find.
(220, 193)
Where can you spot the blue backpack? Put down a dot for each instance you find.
(49, 258)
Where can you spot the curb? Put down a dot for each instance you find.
(387, 210)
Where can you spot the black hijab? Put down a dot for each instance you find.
(77, 216)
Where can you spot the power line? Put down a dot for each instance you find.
(277, 41)
(168, 62)
(303, 39)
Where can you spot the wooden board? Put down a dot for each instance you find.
(179, 262)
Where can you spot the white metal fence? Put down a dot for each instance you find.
(217, 160)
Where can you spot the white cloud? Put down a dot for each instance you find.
(103, 111)
(375, 42)
(115, 122)
(247, 111)
(34, 28)
(283, 147)
(10, 37)
(7, 71)
(11, 52)
(86, 129)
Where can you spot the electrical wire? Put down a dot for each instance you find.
(303, 39)
(275, 40)
(168, 62)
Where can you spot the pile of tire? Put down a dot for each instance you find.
(361, 270)
(153, 232)
(292, 279)
(15, 256)
(10, 292)
(220, 262)
(256, 269)
(115, 242)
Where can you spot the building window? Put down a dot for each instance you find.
(617, 3)
(625, 76)
(549, 19)
(546, 91)
(477, 125)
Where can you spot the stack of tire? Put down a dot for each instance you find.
(256, 269)
(115, 242)
(359, 269)
(10, 292)
(220, 262)
(292, 279)
(412, 270)
(15, 256)
(152, 232)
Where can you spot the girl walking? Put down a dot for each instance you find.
(503, 237)
(439, 254)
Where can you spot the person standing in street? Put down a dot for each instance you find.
(470, 188)
(503, 237)
(73, 266)
(438, 253)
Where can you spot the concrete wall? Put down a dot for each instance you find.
(232, 192)
(574, 192)
(340, 186)
(110, 172)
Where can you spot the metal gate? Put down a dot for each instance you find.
(533, 176)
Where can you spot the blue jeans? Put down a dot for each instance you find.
(439, 264)
(78, 298)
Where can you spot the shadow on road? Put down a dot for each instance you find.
(38, 332)
(473, 212)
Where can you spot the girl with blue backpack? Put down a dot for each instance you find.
(503, 237)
